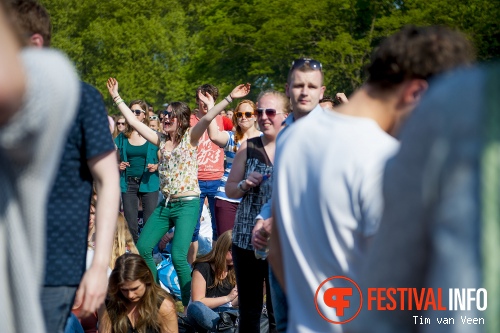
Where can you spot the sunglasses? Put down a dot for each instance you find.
(169, 114)
(247, 114)
(299, 63)
(120, 123)
(138, 112)
(153, 117)
(270, 113)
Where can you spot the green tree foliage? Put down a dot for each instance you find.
(162, 50)
(143, 43)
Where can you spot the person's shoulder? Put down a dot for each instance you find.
(202, 266)
(193, 120)
(167, 306)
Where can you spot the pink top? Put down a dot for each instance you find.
(210, 156)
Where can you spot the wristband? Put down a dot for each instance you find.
(116, 97)
(228, 98)
(240, 186)
(119, 101)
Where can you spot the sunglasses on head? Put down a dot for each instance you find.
(247, 114)
(169, 114)
(138, 112)
(299, 63)
(120, 123)
(269, 112)
(153, 117)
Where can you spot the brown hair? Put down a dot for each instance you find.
(128, 268)
(239, 133)
(33, 18)
(182, 113)
(144, 107)
(418, 53)
(304, 68)
(217, 257)
(116, 131)
(208, 88)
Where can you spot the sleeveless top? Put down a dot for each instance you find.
(253, 200)
(178, 168)
(208, 274)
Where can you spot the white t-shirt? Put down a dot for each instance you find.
(328, 202)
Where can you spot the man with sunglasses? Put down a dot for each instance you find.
(305, 89)
(327, 194)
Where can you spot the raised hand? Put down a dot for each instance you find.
(112, 85)
(207, 99)
(341, 98)
(241, 90)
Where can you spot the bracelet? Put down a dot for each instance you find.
(228, 98)
(119, 101)
(116, 97)
(240, 186)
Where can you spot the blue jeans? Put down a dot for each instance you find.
(208, 190)
(201, 317)
(280, 304)
(73, 325)
(56, 306)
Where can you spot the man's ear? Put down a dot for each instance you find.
(286, 90)
(414, 91)
(323, 89)
(36, 40)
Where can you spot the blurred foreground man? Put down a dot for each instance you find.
(32, 133)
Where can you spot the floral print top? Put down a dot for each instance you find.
(178, 168)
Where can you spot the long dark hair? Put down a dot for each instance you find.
(183, 113)
(144, 107)
(217, 257)
(132, 267)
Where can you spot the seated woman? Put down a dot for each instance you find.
(135, 303)
(213, 285)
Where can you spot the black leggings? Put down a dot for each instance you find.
(250, 276)
(130, 201)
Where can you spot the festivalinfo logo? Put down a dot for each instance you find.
(339, 300)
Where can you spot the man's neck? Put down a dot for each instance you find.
(362, 104)
(200, 114)
(299, 114)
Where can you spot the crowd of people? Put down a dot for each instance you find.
(300, 187)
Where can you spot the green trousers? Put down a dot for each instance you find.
(184, 216)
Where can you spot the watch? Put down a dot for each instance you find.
(240, 186)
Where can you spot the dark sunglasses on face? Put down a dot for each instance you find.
(138, 112)
(269, 112)
(169, 114)
(299, 63)
(247, 114)
(120, 123)
(153, 117)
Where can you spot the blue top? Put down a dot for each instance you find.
(150, 181)
(68, 208)
(230, 154)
